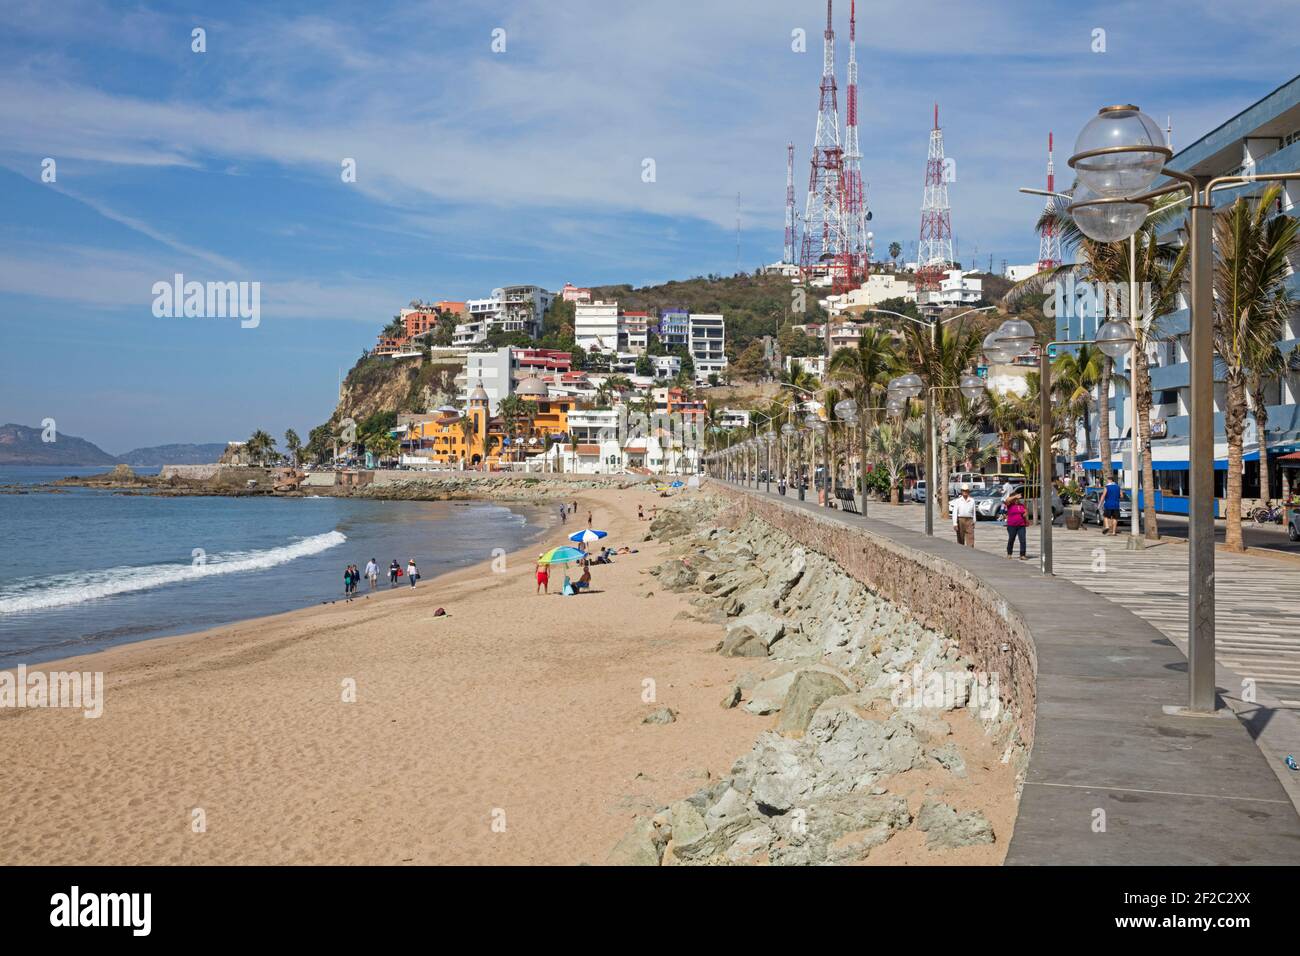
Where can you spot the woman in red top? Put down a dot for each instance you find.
(1017, 521)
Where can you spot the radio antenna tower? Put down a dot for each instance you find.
(1049, 240)
(789, 257)
(855, 199)
(934, 251)
(824, 239)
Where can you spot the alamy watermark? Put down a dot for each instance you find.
(1081, 299)
(72, 689)
(208, 300)
(946, 690)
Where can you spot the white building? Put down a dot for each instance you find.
(956, 288)
(877, 289)
(733, 418)
(787, 269)
(707, 344)
(816, 364)
(634, 332)
(595, 326)
(666, 366)
(512, 308)
(1021, 273)
(489, 369)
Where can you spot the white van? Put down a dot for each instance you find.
(959, 478)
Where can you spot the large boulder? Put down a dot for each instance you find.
(637, 848)
(852, 752)
(809, 691)
(768, 696)
(676, 575)
(723, 821)
(752, 635)
(945, 828)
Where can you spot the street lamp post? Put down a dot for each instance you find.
(1015, 337)
(931, 440)
(1134, 542)
(1119, 154)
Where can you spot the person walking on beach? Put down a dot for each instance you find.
(588, 519)
(963, 517)
(372, 574)
(640, 512)
(1017, 522)
(347, 583)
(412, 571)
(543, 579)
(394, 572)
(564, 514)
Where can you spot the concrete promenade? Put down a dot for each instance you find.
(1257, 613)
(1112, 779)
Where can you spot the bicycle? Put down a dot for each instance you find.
(1269, 514)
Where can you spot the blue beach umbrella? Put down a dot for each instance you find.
(676, 484)
(588, 536)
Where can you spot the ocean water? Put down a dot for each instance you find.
(83, 570)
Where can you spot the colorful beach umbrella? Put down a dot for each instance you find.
(587, 536)
(675, 484)
(561, 555)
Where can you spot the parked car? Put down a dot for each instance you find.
(988, 503)
(1090, 506)
(959, 478)
(1293, 524)
(918, 492)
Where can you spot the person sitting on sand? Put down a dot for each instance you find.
(583, 582)
(543, 579)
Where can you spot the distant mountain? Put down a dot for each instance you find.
(21, 445)
(174, 455)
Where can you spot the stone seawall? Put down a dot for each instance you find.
(196, 472)
(939, 594)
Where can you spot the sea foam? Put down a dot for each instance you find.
(64, 589)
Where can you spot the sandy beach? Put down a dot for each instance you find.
(512, 708)
(507, 732)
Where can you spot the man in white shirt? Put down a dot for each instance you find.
(963, 516)
(372, 574)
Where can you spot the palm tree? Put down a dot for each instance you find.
(894, 445)
(895, 250)
(940, 363)
(1074, 375)
(866, 371)
(1251, 305)
(293, 444)
(511, 409)
(259, 446)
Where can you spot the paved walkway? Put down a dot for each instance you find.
(1113, 778)
(1257, 610)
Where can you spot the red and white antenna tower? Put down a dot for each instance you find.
(1049, 241)
(789, 257)
(854, 196)
(825, 246)
(934, 251)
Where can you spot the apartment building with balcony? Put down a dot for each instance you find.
(707, 344)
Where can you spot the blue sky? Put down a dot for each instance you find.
(477, 169)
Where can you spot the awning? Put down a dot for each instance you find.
(1169, 459)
